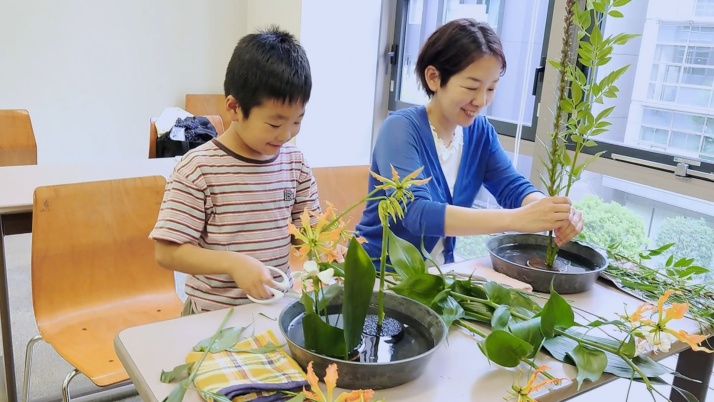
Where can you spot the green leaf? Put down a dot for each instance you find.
(297, 398)
(620, 3)
(497, 293)
(505, 349)
(227, 338)
(327, 294)
(405, 258)
(360, 275)
(629, 348)
(529, 331)
(307, 301)
(590, 363)
(178, 393)
(421, 287)
(501, 317)
(180, 371)
(323, 338)
(615, 14)
(449, 309)
(669, 262)
(683, 262)
(559, 347)
(589, 143)
(521, 304)
(556, 313)
(692, 270)
(555, 64)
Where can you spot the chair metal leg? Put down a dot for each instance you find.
(28, 367)
(65, 385)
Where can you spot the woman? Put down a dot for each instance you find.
(459, 67)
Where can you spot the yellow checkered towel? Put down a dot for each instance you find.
(250, 376)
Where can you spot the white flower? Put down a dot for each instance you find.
(310, 271)
(655, 341)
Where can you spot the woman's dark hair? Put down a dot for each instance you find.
(268, 65)
(455, 46)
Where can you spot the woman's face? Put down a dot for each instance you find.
(468, 92)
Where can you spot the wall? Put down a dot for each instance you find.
(342, 43)
(93, 73)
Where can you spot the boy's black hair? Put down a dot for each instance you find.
(268, 65)
(455, 46)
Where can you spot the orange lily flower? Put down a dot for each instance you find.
(655, 335)
(522, 393)
(320, 241)
(316, 394)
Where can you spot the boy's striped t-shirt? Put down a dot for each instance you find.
(219, 200)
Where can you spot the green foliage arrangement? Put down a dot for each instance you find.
(574, 120)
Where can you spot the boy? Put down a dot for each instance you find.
(227, 203)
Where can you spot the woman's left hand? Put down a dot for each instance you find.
(571, 229)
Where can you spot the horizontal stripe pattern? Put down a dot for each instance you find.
(218, 200)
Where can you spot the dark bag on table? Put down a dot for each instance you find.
(197, 130)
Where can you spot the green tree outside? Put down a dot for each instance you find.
(611, 223)
(693, 238)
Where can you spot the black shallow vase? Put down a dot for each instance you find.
(407, 355)
(521, 256)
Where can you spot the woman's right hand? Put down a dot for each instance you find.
(542, 215)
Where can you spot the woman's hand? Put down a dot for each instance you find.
(573, 226)
(544, 214)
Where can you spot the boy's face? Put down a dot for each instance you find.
(267, 128)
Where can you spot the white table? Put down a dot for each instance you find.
(17, 185)
(457, 371)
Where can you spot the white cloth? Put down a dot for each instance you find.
(168, 117)
(450, 159)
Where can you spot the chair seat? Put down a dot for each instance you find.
(92, 332)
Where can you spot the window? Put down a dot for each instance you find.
(667, 95)
(521, 27)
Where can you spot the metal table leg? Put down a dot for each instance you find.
(696, 365)
(8, 352)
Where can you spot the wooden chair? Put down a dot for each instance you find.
(153, 134)
(207, 104)
(17, 139)
(342, 186)
(94, 273)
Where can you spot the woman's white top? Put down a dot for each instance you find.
(450, 158)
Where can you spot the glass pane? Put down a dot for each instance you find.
(702, 35)
(672, 74)
(694, 96)
(669, 93)
(513, 25)
(700, 55)
(708, 146)
(698, 76)
(688, 122)
(685, 141)
(657, 117)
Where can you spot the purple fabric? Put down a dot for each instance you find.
(238, 390)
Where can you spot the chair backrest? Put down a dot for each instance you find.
(17, 139)
(342, 186)
(90, 247)
(153, 134)
(205, 104)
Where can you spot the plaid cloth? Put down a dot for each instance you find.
(250, 376)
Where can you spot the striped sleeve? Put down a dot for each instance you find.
(182, 216)
(305, 195)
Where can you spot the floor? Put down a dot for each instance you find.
(49, 369)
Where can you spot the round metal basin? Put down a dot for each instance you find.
(517, 255)
(407, 358)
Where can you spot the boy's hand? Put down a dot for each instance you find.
(254, 278)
